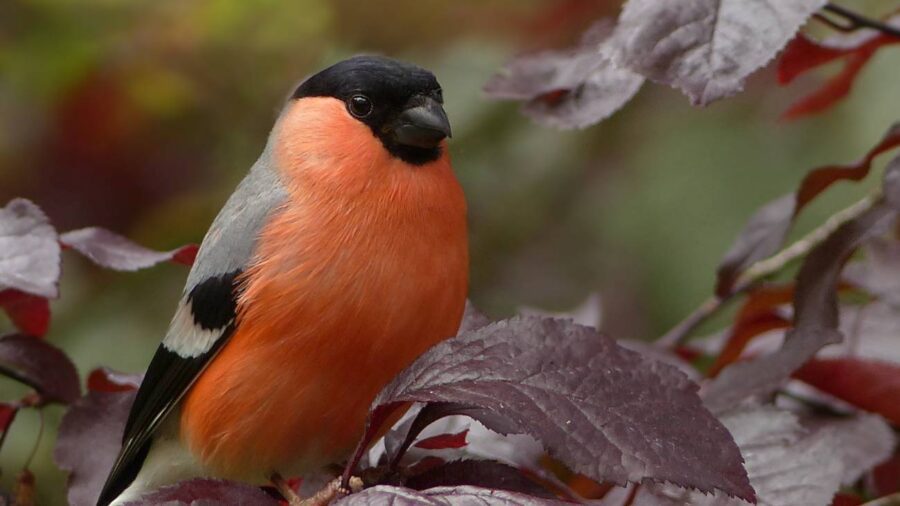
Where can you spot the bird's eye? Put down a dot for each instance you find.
(359, 106)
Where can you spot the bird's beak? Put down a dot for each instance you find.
(422, 124)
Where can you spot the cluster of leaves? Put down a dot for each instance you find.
(603, 420)
(631, 423)
(704, 48)
(30, 267)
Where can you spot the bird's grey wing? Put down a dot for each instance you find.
(204, 320)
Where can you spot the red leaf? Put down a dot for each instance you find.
(885, 478)
(761, 301)
(832, 91)
(443, 441)
(107, 380)
(110, 250)
(803, 54)
(741, 335)
(186, 255)
(7, 416)
(29, 313)
(869, 384)
(818, 180)
(842, 499)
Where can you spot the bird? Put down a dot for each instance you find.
(339, 258)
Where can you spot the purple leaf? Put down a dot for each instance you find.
(477, 473)
(706, 48)
(29, 250)
(605, 411)
(472, 319)
(815, 316)
(40, 365)
(571, 88)
(790, 463)
(206, 492)
(89, 439)
(113, 251)
(879, 274)
(104, 379)
(442, 496)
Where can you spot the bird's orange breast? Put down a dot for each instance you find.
(363, 269)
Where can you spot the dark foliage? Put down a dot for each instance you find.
(564, 384)
(206, 493)
(626, 422)
(91, 433)
(41, 366)
(767, 229)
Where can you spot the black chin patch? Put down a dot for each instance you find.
(411, 154)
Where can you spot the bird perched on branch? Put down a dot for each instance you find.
(339, 259)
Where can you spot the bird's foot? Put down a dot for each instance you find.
(323, 497)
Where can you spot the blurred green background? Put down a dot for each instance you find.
(142, 116)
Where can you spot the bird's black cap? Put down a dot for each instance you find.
(401, 103)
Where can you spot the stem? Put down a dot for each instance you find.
(37, 441)
(765, 268)
(806, 243)
(680, 332)
(859, 21)
(834, 24)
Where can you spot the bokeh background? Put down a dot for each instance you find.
(142, 116)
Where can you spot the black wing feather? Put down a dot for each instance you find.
(168, 378)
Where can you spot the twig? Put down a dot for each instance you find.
(806, 243)
(859, 21)
(677, 334)
(37, 441)
(816, 406)
(765, 268)
(834, 24)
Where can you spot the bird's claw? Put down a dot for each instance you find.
(323, 497)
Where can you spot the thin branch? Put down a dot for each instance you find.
(859, 21)
(765, 268)
(834, 24)
(37, 440)
(802, 246)
(680, 332)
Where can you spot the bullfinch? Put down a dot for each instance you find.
(339, 259)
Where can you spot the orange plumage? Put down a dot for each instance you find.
(361, 270)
